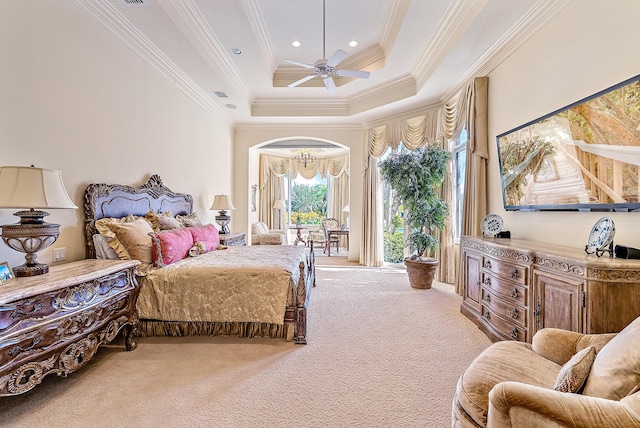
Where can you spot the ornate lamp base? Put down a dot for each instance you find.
(223, 220)
(29, 236)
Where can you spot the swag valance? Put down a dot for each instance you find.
(279, 166)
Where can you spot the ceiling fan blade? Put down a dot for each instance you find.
(298, 63)
(330, 84)
(301, 81)
(336, 58)
(352, 73)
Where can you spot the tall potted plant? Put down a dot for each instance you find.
(415, 176)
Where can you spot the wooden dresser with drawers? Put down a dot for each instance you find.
(513, 288)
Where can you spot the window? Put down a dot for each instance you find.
(307, 199)
(459, 157)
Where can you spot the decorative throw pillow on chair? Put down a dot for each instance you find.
(574, 373)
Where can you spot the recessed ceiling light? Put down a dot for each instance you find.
(231, 106)
(353, 43)
(296, 44)
(236, 51)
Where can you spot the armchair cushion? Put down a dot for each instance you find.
(616, 369)
(258, 228)
(502, 361)
(515, 404)
(262, 235)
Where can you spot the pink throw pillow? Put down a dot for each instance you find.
(171, 246)
(207, 234)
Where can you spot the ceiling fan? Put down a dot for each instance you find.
(325, 68)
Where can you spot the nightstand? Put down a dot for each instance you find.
(54, 323)
(232, 239)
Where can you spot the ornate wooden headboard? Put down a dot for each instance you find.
(118, 200)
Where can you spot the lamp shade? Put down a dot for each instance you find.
(30, 187)
(222, 203)
(279, 204)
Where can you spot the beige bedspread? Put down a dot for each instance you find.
(239, 284)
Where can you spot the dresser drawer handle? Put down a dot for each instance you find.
(487, 298)
(514, 333)
(513, 313)
(478, 283)
(486, 315)
(487, 281)
(513, 293)
(514, 273)
(487, 264)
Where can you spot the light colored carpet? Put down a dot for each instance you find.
(380, 354)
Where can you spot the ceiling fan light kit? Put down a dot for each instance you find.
(325, 68)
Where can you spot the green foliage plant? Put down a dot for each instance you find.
(416, 176)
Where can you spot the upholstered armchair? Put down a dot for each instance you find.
(315, 236)
(562, 379)
(262, 235)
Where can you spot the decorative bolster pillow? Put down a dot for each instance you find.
(206, 234)
(170, 246)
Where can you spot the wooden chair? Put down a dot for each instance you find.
(330, 223)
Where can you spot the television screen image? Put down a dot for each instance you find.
(584, 157)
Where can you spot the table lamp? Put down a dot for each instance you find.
(222, 203)
(30, 188)
(279, 205)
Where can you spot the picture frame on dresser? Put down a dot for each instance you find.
(6, 273)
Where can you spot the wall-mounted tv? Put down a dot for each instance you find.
(583, 157)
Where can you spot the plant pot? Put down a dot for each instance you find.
(421, 271)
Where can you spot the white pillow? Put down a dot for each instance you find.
(103, 249)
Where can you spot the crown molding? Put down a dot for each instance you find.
(392, 25)
(304, 129)
(256, 22)
(527, 26)
(299, 107)
(219, 58)
(113, 21)
(389, 92)
(456, 19)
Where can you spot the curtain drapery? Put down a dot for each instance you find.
(274, 168)
(468, 109)
(474, 206)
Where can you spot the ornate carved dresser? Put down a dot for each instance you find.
(513, 288)
(54, 323)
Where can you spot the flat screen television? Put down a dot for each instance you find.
(583, 157)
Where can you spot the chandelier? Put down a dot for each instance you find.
(305, 158)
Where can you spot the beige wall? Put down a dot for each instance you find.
(589, 46)
(74, 98)
(245, 174)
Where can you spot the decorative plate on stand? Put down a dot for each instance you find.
(491, 225)
(601, 237)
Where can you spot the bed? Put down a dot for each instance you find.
(245, 290)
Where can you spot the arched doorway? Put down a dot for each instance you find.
(287, 169)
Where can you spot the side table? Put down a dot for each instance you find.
(232, 239)
(54, 323)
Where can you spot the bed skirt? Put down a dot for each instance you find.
(146, 328)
